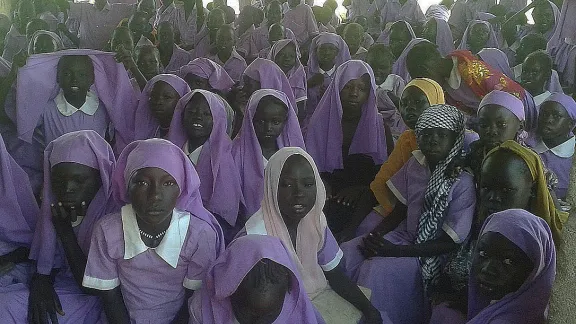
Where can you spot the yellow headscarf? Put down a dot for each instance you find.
(543, 205)
(431, 89)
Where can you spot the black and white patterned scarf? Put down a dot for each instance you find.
(436, 195)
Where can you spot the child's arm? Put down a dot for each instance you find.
(114, 307)
(43, 302)
(377, 246)
(125, 57)
(18, 61)
(183, 314)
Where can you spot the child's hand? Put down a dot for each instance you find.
(43, 301)
(377, 246)
(350, 196)
(125, 57)
(373, 317)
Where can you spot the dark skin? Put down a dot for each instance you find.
(162, 102)
(286, 60)
(434, 66)
(529, 44)
(353, 36)
(198, 121)
(124, 55)
(44, 44)
(35, 25)
(479, 35)
(297, 193)
(554, 124)
(165, 42)
(534, 76)
(412, 104)
(139, 26)
(399, 37)
(74, 186)
(269, 121)
(75, 77)
(275, 33)
(259, 305)
(148, 63)
(430, 30)
(274, 13)
(250, 86)
(543, 16)
(122, 37)
(326, 59)
(196, 82)
(26, 13)
(496, 125)
(225, 43)
(215, 20)
(147, 7)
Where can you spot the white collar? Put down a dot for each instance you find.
(194, 155)
(455, 79)
(255, 225)
(171, 244)
(564, 150)
(89, 107)
(517, 72)
(361, 50)
(420, 157)
(329, 72)
(388, 84)
(539, 99)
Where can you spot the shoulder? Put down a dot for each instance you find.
(111, 222)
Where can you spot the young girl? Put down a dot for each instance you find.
(347, 139)
(260, 38)
(76, 194)
(270, 123)
(286, 54)
(15, 40)
(438, 32)
(477, 36)
(554, 140)
(206, 37)
(291, 210)
(397, 36)
(226, 54)
(44, 41)
(147, 260)
(172, 57)
(205, 74)
(513, 270)
(536, 72)
(262, 285)
(432, 214)
(353, 35)
(157, 104)
(199, 128)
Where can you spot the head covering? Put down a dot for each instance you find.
(565, 28)
(496, 59)
(440, 183)
(146, 125)
(228, 271)
(431, 89)
(399, 67)
(530, 302)
(311, 229)
(84, 147)
(297, 75)
(57, 40)
(37, 85)
(324, 137)
(270, 76)
(159, 153)
(444, 39)
(542, 205)
(217, 77)
(506, 100)
(491, 42)
(327, 38)
(565, 101)
(248, 154)
(18, 207)
(220, 184)
(384, 37)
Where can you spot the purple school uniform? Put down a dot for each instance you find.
(409, 11)
(401, 294)
(384, 37)
(496, 59)
(179, 58)
(202, 43)
(270, 76)
(297, 75)
(301, 21)
(558, 159)
(561, 43)
(187, 26)
(528, 29)
(260, 39)
(461, 14)
(205, 68)
(234, 66)
(444, 39)
(400, 67)
(367, 9)
(169, 13)
(492, 41)
(438, 11)
(14, 42)
(393, 84)
(243, 41)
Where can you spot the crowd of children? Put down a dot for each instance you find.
(162, 162)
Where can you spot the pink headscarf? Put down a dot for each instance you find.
(270, 76)
(327, 38)
(217, 77)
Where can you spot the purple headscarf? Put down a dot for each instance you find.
(220, 183)
(444, 39)
(270, 76)
(324, 136)
(248, 154)
(492, 39)
(37, 85)
(399, 67)
(506, 100)
(565, 101)
(384, 37)
(233, 266)
(496, 59)
(205, 68)
(327, 38)
(529, 303)
(559, 44)
(146, 125)
(18, 208)
(159, 153)
(297, 75)
(84, 147)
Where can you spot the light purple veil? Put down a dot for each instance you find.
(492, 39)
(205, 68)
(327, 38)
(297, 75)
(270, 76)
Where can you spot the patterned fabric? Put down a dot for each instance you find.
(436, 195)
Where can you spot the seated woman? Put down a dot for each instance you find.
(346, 137)
(172, 57)
(291, 210)
(262, 285)
(147, 259)
(202, 73)
(199, 129)
(478, 35)
(76, 194)
(156, 106)
(44, 41)
(432, 215)
(513, 269)
(438, 32)
(554, 140)
(270, 123)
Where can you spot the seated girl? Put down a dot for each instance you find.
(276, 32)
(172, 57)
(397, 36)
(478, 35)
(346, 137)
(513, 270)
(253, 281)
(19, 214)
(432, 215)
(147, 259)
(44, 41)
(546, 17)
(156, 106)
(205, 74)
(536, 73)
(554, 140)
(438, 32)
(206, 37)
(76, 194)
(291, 210)
(199, 129)
(270, 123)
(225, 54)
(535, 43)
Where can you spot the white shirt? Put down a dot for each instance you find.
(455, 79)
(195, 155)
(539, 99)
(564, 150)
(329, 72)
(89, 107)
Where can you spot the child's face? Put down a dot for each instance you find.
(165, 34)
(399, 37)
(353, 96)
(162, 102)
(496, 125)
(196, 82)
(286, 58)
(225, 40)
(381, 66)
(526, 47)
(74, 183)
(147, 7)
(499, 266)
(197, 119)
(275, 34)
(436, 143)
(554, 121)
(44, 44)
(327, 53)
(75, 74)
(296, 189)
(274, 13)
(215, 20)
(479, 35)
(353, 37)
(122, 38)
(430, 30)
(543, 16)
(362, 21)
(534, 75)
(250, 86)
(153, 193)
(413, 102)
(138, 26)
(269, 120)
(149, 64)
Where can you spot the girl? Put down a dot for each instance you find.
(346, 139)
(44, 41)
(270, 123)
(478, 35)
(438, 32)
(162, 237)
(225, 54)
(261, 285)
(205, 74)
(206, 37)
(76, 194)
(536, 72)
(260, 38)
(286, 54)
(199, 128)
(513, 270)
(397, 36)
(172, 57)
(432, 214)
(400, 65)
(292, 211)
(554, 141)
(157, 104)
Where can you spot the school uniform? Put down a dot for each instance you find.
(178, 59)
(234, 66)
(14, 42)
(301, 21)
